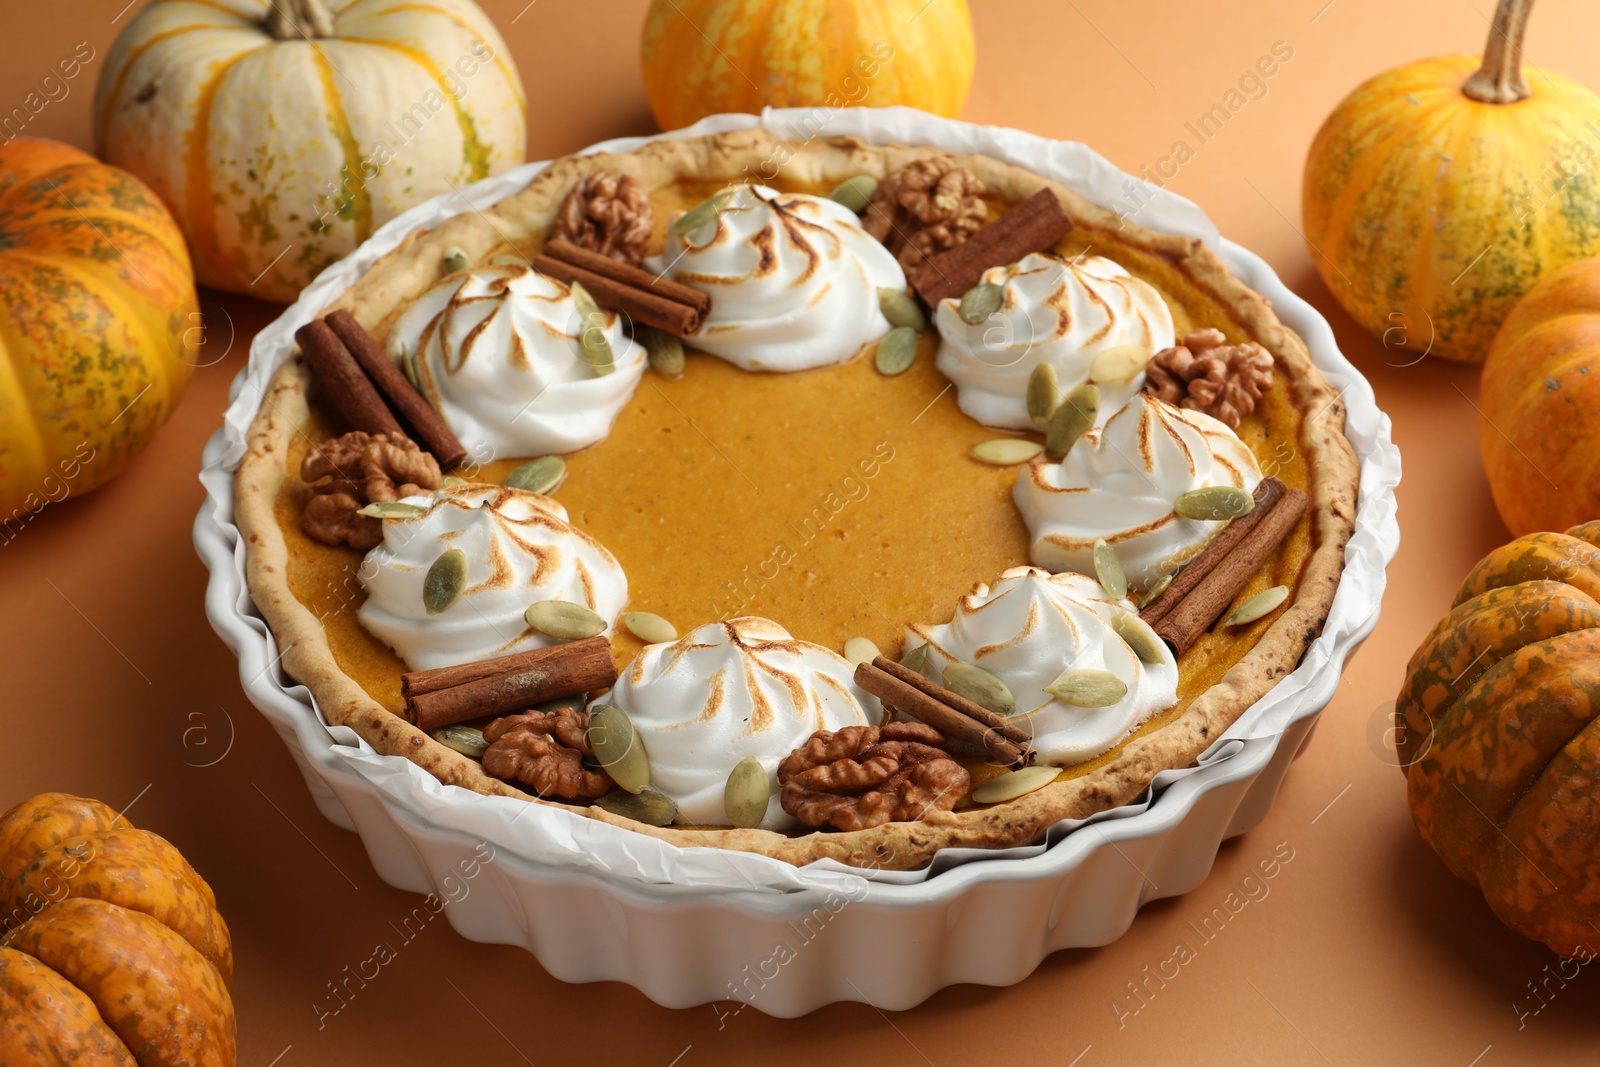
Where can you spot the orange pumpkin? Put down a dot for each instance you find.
(113, 949)
(1539, 405)
(1499, 738)
(702, 57)
(98, 331)
(1438, 193)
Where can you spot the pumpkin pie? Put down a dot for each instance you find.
(864, 500)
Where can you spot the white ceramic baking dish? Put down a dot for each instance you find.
(692, 926)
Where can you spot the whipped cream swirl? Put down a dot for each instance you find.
(520, 548)
(1120, 482)
(1055, 311)
(496, 351)
(1029, 627)
(793, 279)
(728, 690)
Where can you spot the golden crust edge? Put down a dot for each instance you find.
(520, 217)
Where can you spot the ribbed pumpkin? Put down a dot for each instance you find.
(1500, 741)
(702, 57)
(113, 949)
(1438, 193)
(1539, 405)
(282, 134)
(98, 326)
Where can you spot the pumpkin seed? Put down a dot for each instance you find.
(467, 740)
(450, 480)
(573, 702)
(1138, 636)
(618, 748)
(1044, 393)
(1006, 451)
(700, 214)
(1072, 420)
(897, 351)
(1214, 503)
(916, 659)
(651, 629)
(979, 302)
(979, 686)
(664, 350)
(1119, 363)
(456, 259)
(391, 509)
(1262, 604)
(564, 620)
(1108, 569)
(1088, 688)
(593, 345)
(745, 797)
(445, 580)
(408, 364)
(649, 806)
(859, 650)
(540, 475)
(1014, 784)
(855, 193)
(901, 309)
(1155, 591)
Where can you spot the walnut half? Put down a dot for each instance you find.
(864, 776)
(1205, 373)
(545, 750)
(924, 208)
(608, 213)
(361, 469)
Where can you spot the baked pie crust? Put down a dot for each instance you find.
(525, 218)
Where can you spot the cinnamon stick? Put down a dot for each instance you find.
(1267, 495)
(448, 695)
(1034, 225)
(642, 296)
(950, 714)
(397, 389)
(1193, 615)
(346, 384)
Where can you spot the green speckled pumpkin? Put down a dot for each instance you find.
(282, 135)
(1438, 193)
(1500, 737)
(97, 328)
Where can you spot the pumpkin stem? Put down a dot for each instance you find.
(1500, 80)
(298, 20)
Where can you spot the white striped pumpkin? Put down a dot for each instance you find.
(282, 136)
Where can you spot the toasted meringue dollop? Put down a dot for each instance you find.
(728, 690)
(496, 351)
(1027, 629)
(793, 279)
(1120, 482)
(520, 548)
(1055, 311)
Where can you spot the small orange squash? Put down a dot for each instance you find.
(1499, 740)
(702, 57)
(113, 950)
(98, 327)
(1439, 192)
(1539, 405)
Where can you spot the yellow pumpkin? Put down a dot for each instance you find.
(1438, 193)
(283, 134)
(1539, 406)
(702, 57)
(98, 329)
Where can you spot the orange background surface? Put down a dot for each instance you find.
(1364, 950)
